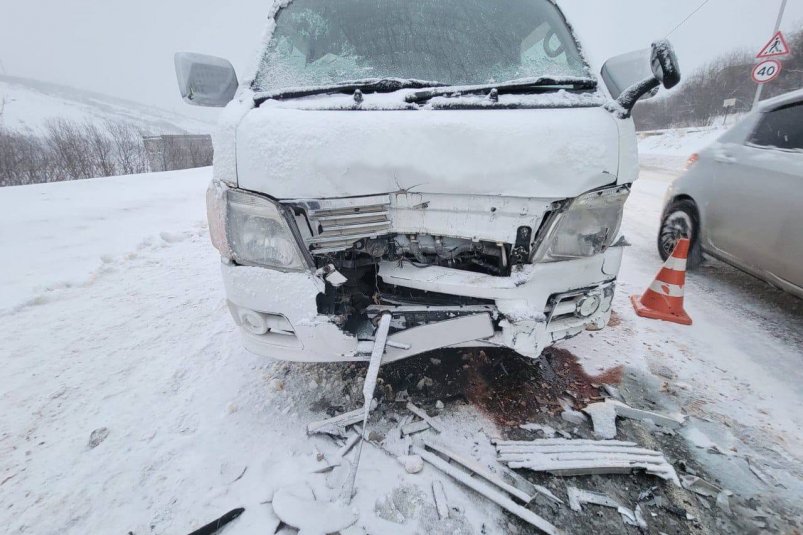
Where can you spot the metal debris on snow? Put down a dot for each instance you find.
(575, 457)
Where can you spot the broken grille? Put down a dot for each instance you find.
(338, 223)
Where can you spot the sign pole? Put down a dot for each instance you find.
(760, 87)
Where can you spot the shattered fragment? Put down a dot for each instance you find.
(339, 475)
(424, 416)
(603, 416)
(478, 470)
(723, 502)
(564, 457)
(297, 507)
(548, 431)
(700, 486)
(574, 417)
(489, 492)
(577, 497)
(440, 499)
(640, 521)
(337, 425)
(415, 427)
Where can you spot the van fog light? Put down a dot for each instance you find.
(253, 322)
(588, 306)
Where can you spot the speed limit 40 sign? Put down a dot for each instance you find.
(767, 71)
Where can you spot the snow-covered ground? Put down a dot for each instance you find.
(29, 104)
(113, 317)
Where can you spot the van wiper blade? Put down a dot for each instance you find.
(367, 85)
(524, 85)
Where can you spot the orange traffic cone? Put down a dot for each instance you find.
(663, 300)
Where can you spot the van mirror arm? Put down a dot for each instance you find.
(627, 100)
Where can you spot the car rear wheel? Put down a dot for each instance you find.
(680, 220)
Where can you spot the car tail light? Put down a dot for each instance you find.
(692, 160)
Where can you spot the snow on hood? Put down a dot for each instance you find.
(547, 153)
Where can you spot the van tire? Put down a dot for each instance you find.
(681, 219)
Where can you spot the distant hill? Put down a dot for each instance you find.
(28, 105)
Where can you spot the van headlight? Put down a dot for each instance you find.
(252, 230)
(587, 227)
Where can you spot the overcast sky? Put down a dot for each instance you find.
(125, 47)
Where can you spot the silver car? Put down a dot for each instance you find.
(741, 199)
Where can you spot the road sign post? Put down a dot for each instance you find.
(773, 45)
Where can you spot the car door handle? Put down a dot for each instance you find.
(725, 158)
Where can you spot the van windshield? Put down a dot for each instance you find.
(323, 42)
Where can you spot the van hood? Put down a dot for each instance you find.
(296, 153)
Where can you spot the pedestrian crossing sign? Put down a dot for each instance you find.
(777, 46)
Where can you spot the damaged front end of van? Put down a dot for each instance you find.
(454, 166)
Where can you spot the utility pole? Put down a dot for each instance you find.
(760, 87)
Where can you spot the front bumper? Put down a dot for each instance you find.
(532, 309)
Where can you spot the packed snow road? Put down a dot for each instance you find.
(114, 325)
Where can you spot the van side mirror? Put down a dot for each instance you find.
(664, 64)
(632, 76)
(205, 80)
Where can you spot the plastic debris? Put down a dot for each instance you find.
(492, 494)
(440, 500)
(700, 486)
(297, 507)
(217, 524)
(603, 417)
(574, 417)
(421, 413)
(336, 426)
(414, 427)
(525, 495)
(577, 497)
(548, 431)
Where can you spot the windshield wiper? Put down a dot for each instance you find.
(367, 85)
(525, 85)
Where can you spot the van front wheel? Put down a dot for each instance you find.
(680, 220)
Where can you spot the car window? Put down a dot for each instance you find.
(781, 128)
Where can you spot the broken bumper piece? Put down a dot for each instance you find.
(528, 311)
(576, 457)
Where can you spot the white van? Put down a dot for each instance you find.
(454, 165)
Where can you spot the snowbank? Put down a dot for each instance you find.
(57, 235)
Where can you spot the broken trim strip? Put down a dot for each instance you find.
(497, 497)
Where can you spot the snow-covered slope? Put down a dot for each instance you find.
(29, 104)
